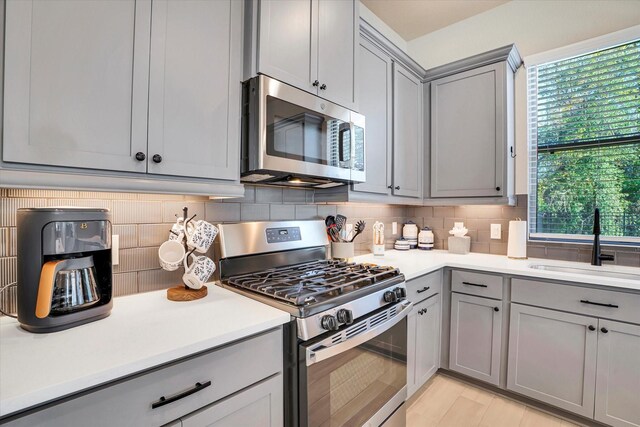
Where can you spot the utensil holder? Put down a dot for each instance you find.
(378, 250)
(342, 250)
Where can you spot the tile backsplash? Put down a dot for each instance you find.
(143, 221)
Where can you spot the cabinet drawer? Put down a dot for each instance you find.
(484, 285)
(570, 298)
(130, 402)
(423, 287)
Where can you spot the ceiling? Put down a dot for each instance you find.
(415, 18)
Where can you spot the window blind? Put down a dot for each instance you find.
(584, 134)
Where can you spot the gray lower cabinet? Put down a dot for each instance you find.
(423, 343)
(618, 374)
(260, 405)
(194, 92)
(75, 91)
(375, 75)
(552, 357)
(407, 133)
(476, 337)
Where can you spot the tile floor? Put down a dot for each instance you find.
(445, 401)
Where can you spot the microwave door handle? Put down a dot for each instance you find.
(352, 140)
(341, 133)
(325, 353)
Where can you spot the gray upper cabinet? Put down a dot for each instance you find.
(375, 74)
(407, 133)
(618, 374)
(468, 133)
(552, 357)
(476, 337)
(194, 92)
(471, 128)
(310, 44)
(75, 90)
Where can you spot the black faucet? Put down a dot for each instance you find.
(596, 256)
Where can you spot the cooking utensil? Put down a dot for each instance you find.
(341, 220)
(330, 220)
(360, 225)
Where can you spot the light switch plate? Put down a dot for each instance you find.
(496, 231)
(394, 228)
(115, 249)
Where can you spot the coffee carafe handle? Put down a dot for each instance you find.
(45, 288)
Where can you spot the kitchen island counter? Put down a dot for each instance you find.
(143, 331)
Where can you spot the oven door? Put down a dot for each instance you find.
(358, 375)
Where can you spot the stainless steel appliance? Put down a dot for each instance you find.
(64, 267)
(346, 347)
(293, 138)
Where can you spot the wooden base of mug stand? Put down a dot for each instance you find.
(182, 293)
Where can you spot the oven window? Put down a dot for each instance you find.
(296, 133)
(349, 388)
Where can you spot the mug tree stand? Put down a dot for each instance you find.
(183, 292)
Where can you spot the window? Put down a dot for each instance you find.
(584, 136)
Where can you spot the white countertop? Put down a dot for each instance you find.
(414, 263)
(143, 331)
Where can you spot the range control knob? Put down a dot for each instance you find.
(329, 323)
(390, 296)
(345, 316)
(400, 293)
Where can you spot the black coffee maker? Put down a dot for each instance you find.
(64, 267)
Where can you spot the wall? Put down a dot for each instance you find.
(143, 221)
(383, 28)
(534, 26)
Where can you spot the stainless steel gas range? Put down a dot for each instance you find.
(346, 347)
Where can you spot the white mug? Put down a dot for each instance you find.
(202, 236)
(171, 254)
(198, 273)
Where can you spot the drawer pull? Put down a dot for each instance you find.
(584, 301)
(425, 289)
(165, 401)
(474, 284)
(604, 330)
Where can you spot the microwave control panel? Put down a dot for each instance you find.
(280, 235)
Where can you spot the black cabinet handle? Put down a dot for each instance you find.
(604, 330)
(474, 284)
(140, 156)
(592, 328)
(585, 301)
(315, 83)
(496, 309)
(497, 188)
(157, 158)
(397, 187)
(425, 289)
(165, 401)
(323, 87)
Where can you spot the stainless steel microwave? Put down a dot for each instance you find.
(293, 138)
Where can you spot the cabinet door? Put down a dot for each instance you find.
(412, 320)
(476, 328)
(552, 357)
(618, 374)
(468, 133)
(259, 405)
(288, 42)
(375, 80)
(76, 78)
(407, 133)
(337, 43)
(427, 339)
(194, 91)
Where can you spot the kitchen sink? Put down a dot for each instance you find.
(587, 271)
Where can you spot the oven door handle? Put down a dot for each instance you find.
(326, 352)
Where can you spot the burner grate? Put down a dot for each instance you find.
(313, 282)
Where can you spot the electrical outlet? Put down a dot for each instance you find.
(394, 228)
(115, 249)
(496, 231)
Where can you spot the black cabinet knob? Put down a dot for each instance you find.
(157, 158)
(345, 316)
(497, 188)
(592, 328)
(329, 323)
(496, 309)
(315, 83)
(397, 187)
(140, 156)
(389, 187)
(323, 87)
(604, 330)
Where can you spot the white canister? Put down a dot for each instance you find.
(410, 231)
(425, 239)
